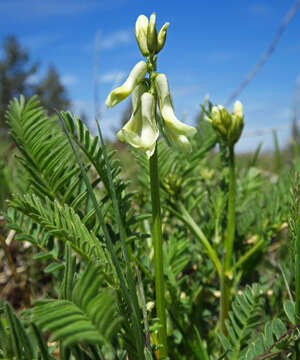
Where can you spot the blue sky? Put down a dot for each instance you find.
(211, 46)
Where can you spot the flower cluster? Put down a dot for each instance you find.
(141, 131)
(146, 35)
(228, 126)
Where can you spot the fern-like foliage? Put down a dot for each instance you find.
(269, 342)
(245, 340)
(90, 146)
(243, 318)
(47, 156)
(89, 317)
(15, 341)
(276, 341)
(45, 151)
(76, 196)
(61, 222)
(20, 342)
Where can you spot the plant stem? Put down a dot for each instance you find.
(244, 258)
(228, 243)
(158, 254)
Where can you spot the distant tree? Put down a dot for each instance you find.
(51, 92)
(15, 70)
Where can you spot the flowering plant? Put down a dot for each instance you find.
(141, 131)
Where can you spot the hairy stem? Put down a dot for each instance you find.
(158, 254)
(227, 274)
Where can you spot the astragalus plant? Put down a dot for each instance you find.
(142, 132)
(180, 268)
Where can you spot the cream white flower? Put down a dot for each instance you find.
(141, 130)
(180, 141)
(176, 130)
(141, 28)
(136, 75)
(134, 124)
(150, 132)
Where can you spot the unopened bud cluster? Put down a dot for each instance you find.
(173, 183)
(228, 125)
(149, 41)
(141, 131)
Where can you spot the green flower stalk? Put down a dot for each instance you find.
(141, 132)
(229, 127)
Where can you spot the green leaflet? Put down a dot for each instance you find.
(242, 319)
(61, 222)
(89, 317)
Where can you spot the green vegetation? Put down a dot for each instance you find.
(185, 255)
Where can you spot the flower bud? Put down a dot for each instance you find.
(228, 126)
(221, 120)
(173, 184)
(136, 75)
(152, 34)
(141, 29)
(238, 109)
(161, 37)
(176, 130)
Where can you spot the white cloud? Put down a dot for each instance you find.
(66, 80)
(69, 79)
(112, 77)
(115, 39)
(110, 41)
